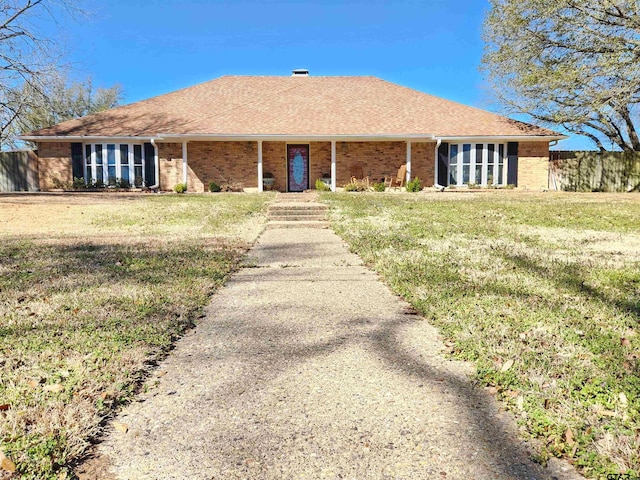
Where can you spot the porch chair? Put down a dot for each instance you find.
(357, 175)
(398, 180)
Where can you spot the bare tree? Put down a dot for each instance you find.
(58, 100)
(574, 63)
(26, 57)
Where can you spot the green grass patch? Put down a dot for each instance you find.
(542, 292)
(86, 312)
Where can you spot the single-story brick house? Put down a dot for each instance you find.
(239, 129)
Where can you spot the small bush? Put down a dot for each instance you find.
(474, 186)
(379, 187)
(122, 183)
(214, 187)
(321, 186)
(414, 185)
(356, 186)
(180, 188)
(78, 183)
(509, 186)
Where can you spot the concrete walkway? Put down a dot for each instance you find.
(307, 366)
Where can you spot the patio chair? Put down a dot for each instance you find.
(398, 180)
(357, 175)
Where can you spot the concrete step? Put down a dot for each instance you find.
(296, 217)
(295, 224)
(298, 206)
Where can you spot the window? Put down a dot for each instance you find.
(114, 164)
(453, 164)
(477, 158)
(480, 164)
(466, 162)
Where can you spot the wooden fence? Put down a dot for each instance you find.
(588, 171)
(18, 171)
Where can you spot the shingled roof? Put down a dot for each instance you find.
(296, 106)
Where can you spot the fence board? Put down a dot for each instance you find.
(18, 171)
(587, 171)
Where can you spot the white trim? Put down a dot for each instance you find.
(436, 162)
(87, 139)
(185, 165)
(408, 162)
(167, 137)
(260, 174)
(501, 138)
(333, 165)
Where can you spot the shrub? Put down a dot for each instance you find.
(122, 183)
(379, 187)
(321, 186)
(180, 188)
(356, 186)
(414, 185)
(214, 187)
(78, 183)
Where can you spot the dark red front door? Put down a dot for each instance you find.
(298, 168)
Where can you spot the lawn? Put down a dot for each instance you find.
(541, 291)
(94, 289)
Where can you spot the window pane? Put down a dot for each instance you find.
(466, 162)
(111, 163)
(138, 175)
(124, 154)
(479, 150)
(500, 164)
(137, 161)
(87, 162)
(124, 165)
(98, 154)
(453, 165)
(491, 148)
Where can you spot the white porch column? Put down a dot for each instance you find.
(260, 184)
(333, 165)
(408, 161)
(185, 166)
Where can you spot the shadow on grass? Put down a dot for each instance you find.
(573, 277)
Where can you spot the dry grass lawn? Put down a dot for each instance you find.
(94, 288)
(540, 290)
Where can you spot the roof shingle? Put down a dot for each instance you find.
(314, 106)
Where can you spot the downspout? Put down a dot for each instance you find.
(156, 164)
(435, 170)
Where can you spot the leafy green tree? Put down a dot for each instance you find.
(573, 63)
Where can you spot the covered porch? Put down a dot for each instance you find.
(294, 164)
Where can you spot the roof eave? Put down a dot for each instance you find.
(511, 138)
(288, 137)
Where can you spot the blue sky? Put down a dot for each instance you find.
(152, 47)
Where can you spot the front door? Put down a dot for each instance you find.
(298, 168)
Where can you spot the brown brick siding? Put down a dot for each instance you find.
(319, 161)
(274, 161)
(54, 164)
(383, 159)
(170, 165)
(422, 162)
(223, 163)
(533, 165)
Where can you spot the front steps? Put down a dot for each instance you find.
(297, 210)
